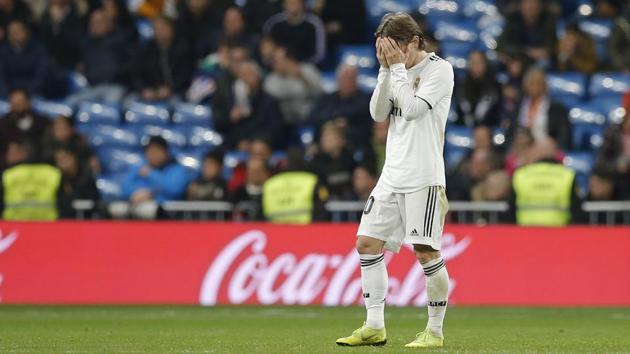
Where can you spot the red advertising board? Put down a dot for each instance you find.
(213, 263)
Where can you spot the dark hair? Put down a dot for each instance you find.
(401, 27)
(157, 140)
(368, 167)
(215, 155)
(289, 52)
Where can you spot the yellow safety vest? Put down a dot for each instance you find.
(30, 192)
(288, 197)
(543, 194)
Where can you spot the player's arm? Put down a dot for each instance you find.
(380, 104)
(415, 104)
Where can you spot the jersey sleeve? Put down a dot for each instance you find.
(437, 85)
(380, 103)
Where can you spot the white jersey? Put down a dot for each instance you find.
(417, 102)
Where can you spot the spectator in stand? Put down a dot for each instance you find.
(23, 61)
(155, 8)
(494, 188)
(348, 106)
(118, 12)
(163, 66)
(482, 137)
(302, 32)
(257, 12)
(195, 23)
(296, 85)
(333, 162)
(545, 192)
(249, 195)
(104, 55)
(234, 30)
(479, 97)
(22, 124)
(60, 30)
(210, 185)
(146, 186)
(520, 151)
(260, 148)
(244, 109)
(13, 10)
(266, 49)
(472, 172)
(77, 182)
(613, 157)
(601, 186)
(344, 21)
(576, 51)
(531, 31)
(539, 113)
(511, 89)
(363, 182)
(62, 135)
(374, 153)
(619, 42)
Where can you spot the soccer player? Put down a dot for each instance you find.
(409, 203)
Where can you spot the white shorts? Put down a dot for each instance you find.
(416, 218)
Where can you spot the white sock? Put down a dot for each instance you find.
(437, 294)
(374, 285)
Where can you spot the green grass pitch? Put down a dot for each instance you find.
(183, 329)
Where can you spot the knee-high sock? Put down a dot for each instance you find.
(374, 284)
(437, 294)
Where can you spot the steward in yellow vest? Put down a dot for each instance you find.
(29, 192)
(293, 197)
(545, 194)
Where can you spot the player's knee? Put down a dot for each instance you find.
(368, 245)
(425, 253)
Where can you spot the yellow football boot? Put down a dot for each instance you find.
(426, 339)
(364, 336)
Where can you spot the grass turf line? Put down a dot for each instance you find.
(187, 329)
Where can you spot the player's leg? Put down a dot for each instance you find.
(374, 281)
(425, 233)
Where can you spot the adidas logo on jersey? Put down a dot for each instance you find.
(414, 232)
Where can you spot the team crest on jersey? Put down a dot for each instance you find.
(416, 83)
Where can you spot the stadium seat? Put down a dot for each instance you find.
(587, 136)
(490, 28)
(454, 155)
(144, 28)
(498, 136)
(306, 134)
(456, 53)
(439, 10)
(569, 101)
(231, 160)
(377, 8)
(4, 108)
(110, 187)
(609, 84)
(612, 108)
(599, 30)
(76, 82)
(174, 137)
(566, 84)
(147, 113)
(367, 83)
(361, 56)
(110, 136)
(51, 109)
(459, 136)
(203, 137)
(582, 163)
(329, 81)
(98, 113)
(586, 113)
(460, 31)
(191, 159)
(479, 8)
(193, 114)
(117, 160)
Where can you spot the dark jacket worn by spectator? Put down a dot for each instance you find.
(478, 97)
(60, 30)
(195, 24)
(106, 58)
(77, 183)
(13, 10)
(258, 12)
(344, 21)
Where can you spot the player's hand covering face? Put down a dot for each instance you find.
(391, 50)
(379, 53)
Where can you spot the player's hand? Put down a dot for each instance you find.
(379, 53)
(393, 53)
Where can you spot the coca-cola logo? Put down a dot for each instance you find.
(5, 243)
(245, 271)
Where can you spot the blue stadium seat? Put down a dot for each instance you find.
(110, 136)
(459, 136)
(4, 108)
(582, 163)
(599, 30)
(329, 81)
(174, 137)
(587, 136)
(461, 31)
(203, 137)
(51, 109)
(144, 28)
(490, 28)
(498, 136)
(98, 113)
(367, 83)
(110, 187)
(147, 113)
(117, 160)
(566, 84)
(377, 8)
(193, 114)
(456, 53)
(440, 10)
(306, 134)
(454, 155)
(191, 159)
(588, 113)
(568, 101)
(76, 82)
(231, 160)
(609, 84)
(612, 107)
(479, 8)
(278, 156)
(361, 56)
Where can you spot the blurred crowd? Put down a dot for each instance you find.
(258, 65)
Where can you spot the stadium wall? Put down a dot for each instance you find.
(249, 263)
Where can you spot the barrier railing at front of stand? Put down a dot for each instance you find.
(613, 212)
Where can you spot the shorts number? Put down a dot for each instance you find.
(368, 205)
